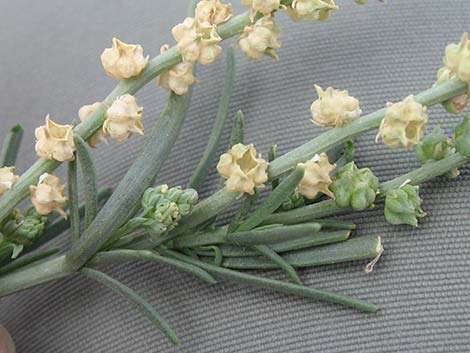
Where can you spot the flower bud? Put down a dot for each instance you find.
(242, 169)
(457, 58)
(316, 177)
(178, 78)
(213, 11)
(265, 7)
(295, 200)
(24, 229)
(404, 123)
(334, 107)
(123, 60)
(6, 342)
(48, 195)
(260, 39)
(123, 119)
(355, 188)
(7, 179)
(84, 113)
(314, 10)
(403, 206)
(54, 141)
(434, 147)
(197, 41)
(462, 137)
(456, 104)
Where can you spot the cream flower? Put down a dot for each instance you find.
(7, 179)
(84, 113)
(404, 123)
(243, 169)
(265, 7)
(315, 10)
(260, 39)
(178, 78)
(334, 107)
(317, 177)
(213, 11)
(123, 119)
(197, 41)
(48, 195)
(54, 141)
(457, 58)
(457, 104)
(123, 60)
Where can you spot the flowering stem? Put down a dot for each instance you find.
(88, 127)
(203, 167)
(275, 285)
(10, 147)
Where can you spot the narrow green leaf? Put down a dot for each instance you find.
(248, 204)
(275, 285)
(89, 179)
(238, 129)
(274, 200)
(122, 255)
(208, 156)
(139, 302)
(360, 248)
(11, 146)
(214, 250)
(270, 254)
(334, 224)
(271, 157)
(27, 260)
(74, 212)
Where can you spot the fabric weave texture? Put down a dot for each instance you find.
(379, 52)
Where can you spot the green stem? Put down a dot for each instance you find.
(275, 285)
(11, 146)
(140, 304)
(202, 168)
(360, 248)
(89, 180)
(120, 256)
(88, 127)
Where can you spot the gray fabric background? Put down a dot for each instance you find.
(49, 63)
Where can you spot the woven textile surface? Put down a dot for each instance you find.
(379, 52)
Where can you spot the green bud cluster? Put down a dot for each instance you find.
(295, 200)
(434, 147)
(462, 137)
(164, 207)
(354, 187)
(23, 229)
(403, 205)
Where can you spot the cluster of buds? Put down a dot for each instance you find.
(243, 169)
(354, 187)
(7, 179)
(23, 229)
(334, 107)
(312, 10)
(164, 207)
(260, 39)
(457, 58)
(316, 177)
(434, 147)
(404, 123)
(403, 205)
(295, 200)
(123, 118)
(123, 60)
(462, 137)
(456, 104)
(48, 195)
(54, 141)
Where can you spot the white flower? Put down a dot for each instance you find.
(7, 179)
(84, 113)
(123, 60)
(197, 41)
(177, 78)
(213, 11)
(265, 7)
(316, 177)
(242, 169)
(54, 141)
(123, 118)
(260, 39)
(334, 107)
(48, 195)
(314, 10)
